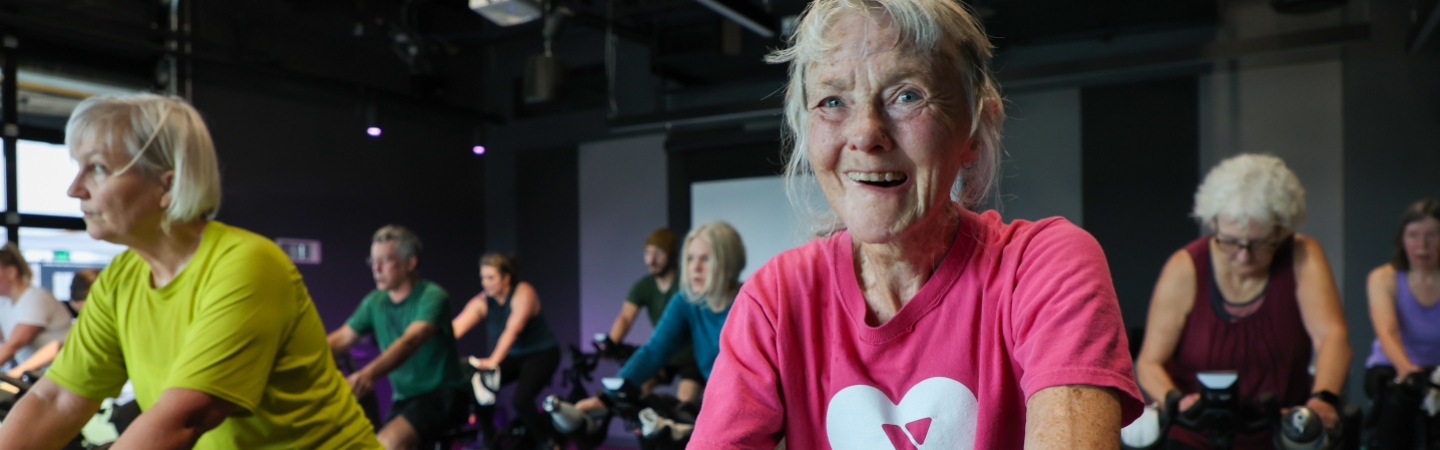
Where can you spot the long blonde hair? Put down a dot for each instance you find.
(727, 258)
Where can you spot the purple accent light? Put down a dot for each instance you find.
(479, 149)
(373, 131)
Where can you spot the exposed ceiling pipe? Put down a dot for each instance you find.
(746, 14)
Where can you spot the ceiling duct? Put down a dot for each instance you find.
(544, 73)
(746, 14)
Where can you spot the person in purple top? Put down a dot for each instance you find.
(1403, 293)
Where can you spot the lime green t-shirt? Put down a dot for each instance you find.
(236, 323)
(436, 363)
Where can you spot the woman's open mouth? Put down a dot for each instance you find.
(879, 179)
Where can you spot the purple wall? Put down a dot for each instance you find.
(295, 167)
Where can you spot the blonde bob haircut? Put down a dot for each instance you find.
(727, 258)
(1251, 189)
(941, 31)
(159, 134)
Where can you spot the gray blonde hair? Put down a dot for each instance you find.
(159, 134)
(942, 31)
(1250, 188)
(406, 242)
(727, 258)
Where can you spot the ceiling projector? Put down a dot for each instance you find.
(507, 12)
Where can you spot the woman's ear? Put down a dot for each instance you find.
(167, 182)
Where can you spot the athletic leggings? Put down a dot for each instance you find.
(533, 371)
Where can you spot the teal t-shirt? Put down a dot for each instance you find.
(436, 363)
(647, 295)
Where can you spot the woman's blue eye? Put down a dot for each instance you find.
(832, 102)
(909, 96)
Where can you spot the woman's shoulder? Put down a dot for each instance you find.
(232, 246)
(1056, 236)
(1306, 246)
(1383, 276)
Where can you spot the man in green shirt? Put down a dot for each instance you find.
(653, 292)
(410, 318)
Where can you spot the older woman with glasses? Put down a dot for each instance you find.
(1253, 297)
(914, 321)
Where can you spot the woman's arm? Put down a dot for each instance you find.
(672, 333)
(473, 313)
(175, 421)
(19, 337)
(1382, 291)
(743, 403)
(1324, 321)
(524, 305)
(47, 417)
(42, 358)
(1073, 417)
(624, 321)
(1169, 308)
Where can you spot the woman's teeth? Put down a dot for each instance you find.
(885, 179)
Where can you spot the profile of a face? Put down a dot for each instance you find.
(887, 130)
(117, 203)
(1422, 243)
(697, 263)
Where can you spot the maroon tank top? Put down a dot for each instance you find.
(1269, 348)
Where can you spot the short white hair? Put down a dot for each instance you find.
(1252, 189)
(160, 134)
(941, 31)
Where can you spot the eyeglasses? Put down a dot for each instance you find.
(1232, 245)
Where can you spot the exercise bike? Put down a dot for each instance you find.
(661, 421)
(1395, 403)
(11, 390)
(1220, 414)
(486, 384)
(98, 433)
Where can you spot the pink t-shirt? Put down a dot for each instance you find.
(1012, 309)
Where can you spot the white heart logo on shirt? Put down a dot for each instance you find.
(938, 413)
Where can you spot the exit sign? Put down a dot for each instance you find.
(62, 256)
(301, 251)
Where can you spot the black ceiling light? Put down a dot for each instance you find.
(1304, 6)
(507, 12)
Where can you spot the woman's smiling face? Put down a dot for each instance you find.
(882, 124)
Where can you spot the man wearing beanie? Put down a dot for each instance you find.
(652, 293)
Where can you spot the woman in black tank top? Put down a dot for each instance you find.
(523, 347)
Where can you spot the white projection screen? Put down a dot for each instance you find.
(759, 211)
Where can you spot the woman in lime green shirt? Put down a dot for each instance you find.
(211, 323)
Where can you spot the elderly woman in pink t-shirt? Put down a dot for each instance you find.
(913, 322)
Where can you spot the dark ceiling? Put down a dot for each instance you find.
(413, 47)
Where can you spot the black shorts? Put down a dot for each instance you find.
(689, 371)
(435, 412)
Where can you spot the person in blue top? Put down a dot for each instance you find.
(714, 256)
